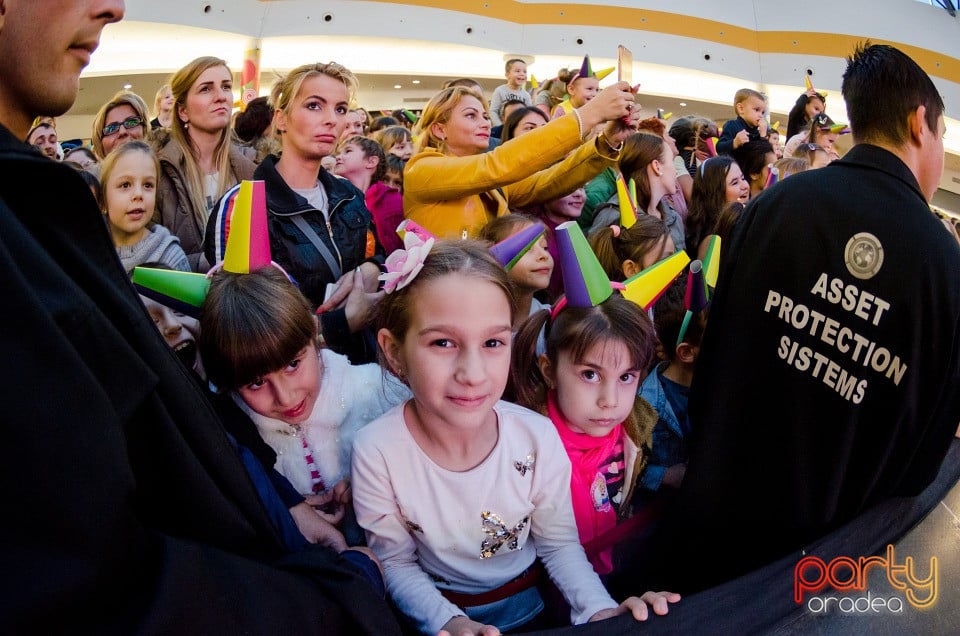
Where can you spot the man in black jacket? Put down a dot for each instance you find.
(829, 375)
(128, 507)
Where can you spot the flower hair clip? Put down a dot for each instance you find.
(404, 265)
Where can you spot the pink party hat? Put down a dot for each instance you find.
(511, 249)
(248, 243)
(584, 281)
(773, 175)
(646, 287)
(410, 226)
(711, 260)
(711, 144)
(628, 204)
(696, 297)
(605, 71)
(181, 291)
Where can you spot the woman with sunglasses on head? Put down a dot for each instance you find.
(198, 163)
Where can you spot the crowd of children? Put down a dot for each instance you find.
(371, 354)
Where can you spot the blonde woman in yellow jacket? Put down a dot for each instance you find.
(453, 186)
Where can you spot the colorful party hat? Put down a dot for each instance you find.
(695, 299)
(809, 84)
(628, 204)
(662, 115)
(776, 126)
(409, 226)
(711, 260)
(838, 129)
(534, 84)
(248, 243)
(711, 144)
(181, 291)
(646, 287)
(604, 72)
(586, 70)
(511, 249)
(584, 281)
(773, 175)
(410, 117)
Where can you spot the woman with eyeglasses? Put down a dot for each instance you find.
(198, 163)
(118, 121)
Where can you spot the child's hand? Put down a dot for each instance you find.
(638, 606)
(315, 529)
(463, 626)
(762, 128)
(742, 137)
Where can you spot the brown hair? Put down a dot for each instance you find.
(576, 330)
(469, 257)
(369, 148)
(727, 220)
(791, 165)
(251, 325)
(391, 135)
(438, 111)
(639, 151)
(668, 318)
(504, 226)
(744, 94)
(632, 243)
(122, 98)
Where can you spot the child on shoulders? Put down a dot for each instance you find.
(515, 71)
(750, 107)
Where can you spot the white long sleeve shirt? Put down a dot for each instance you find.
(475, 530)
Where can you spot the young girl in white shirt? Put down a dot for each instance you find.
(461, 494)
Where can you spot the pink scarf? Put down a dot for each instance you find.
(591, 506)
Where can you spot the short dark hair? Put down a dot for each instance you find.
(881, 87)
(251, 325)
(513, 120)
(254, 121)
(752, 156)
(513, 101)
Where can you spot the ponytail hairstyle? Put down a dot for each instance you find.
(577, 330)
(634, 243)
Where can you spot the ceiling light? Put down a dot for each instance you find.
(415, 82)
(683, 104)
(127, 86)
(397, 86)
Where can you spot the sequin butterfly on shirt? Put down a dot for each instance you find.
(526, 464)
(498, 534)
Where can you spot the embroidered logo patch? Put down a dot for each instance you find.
(863, 255)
